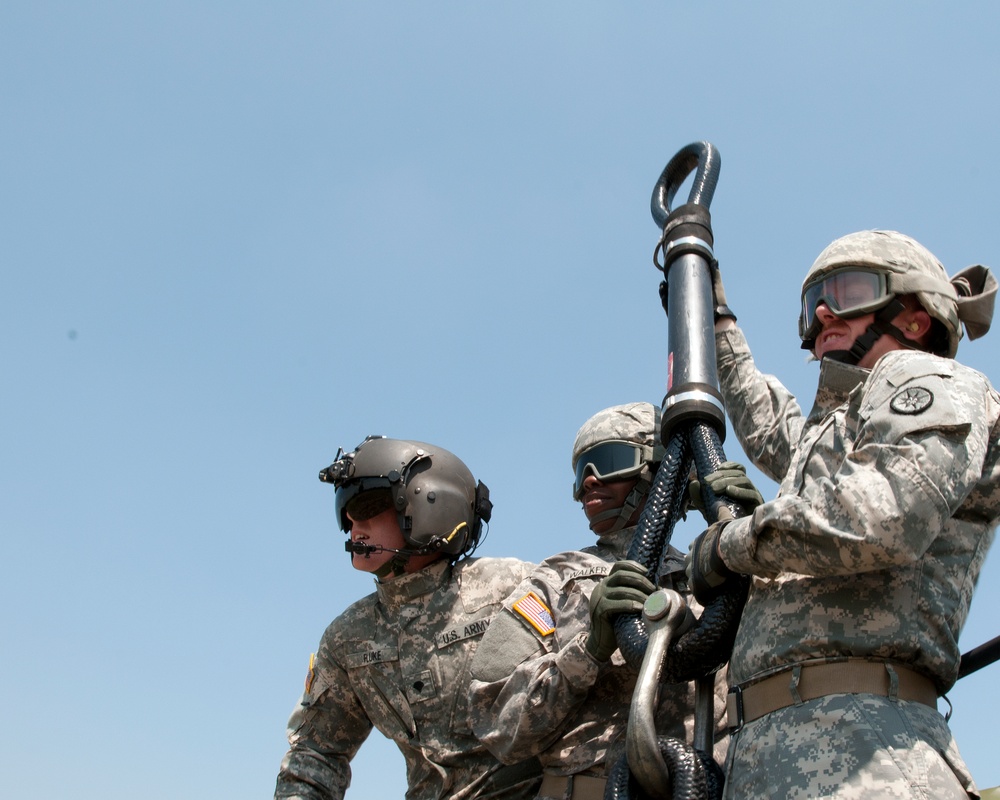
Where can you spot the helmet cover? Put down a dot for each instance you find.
(638, 423)
(633, 423)
(909, 267)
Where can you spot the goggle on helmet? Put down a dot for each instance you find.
(864, 271)
(610, 461)
(848, 292)
(616, 443)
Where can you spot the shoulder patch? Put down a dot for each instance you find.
(538, 615)
(912, 400)
(311, 674)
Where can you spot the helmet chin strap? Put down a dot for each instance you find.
(632, 502)
(881, 325)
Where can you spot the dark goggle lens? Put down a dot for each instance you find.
(608, 461)
(369, 504)
(847, 293)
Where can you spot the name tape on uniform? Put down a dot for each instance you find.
(477, 628)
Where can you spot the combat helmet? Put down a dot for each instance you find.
(617, 443)
(439, 504)
(869, 271)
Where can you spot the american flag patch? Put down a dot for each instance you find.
(536, 612)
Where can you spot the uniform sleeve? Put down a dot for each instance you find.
(525, 684)
(918, 454)
(325, 731)
(765, 416)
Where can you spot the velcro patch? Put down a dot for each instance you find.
(536, 612)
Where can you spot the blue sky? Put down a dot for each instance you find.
(235, 236)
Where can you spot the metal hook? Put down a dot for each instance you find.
(664, 612)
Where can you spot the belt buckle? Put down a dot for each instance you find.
(737, 692)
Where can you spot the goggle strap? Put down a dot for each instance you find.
(880, 325)
(627, 509)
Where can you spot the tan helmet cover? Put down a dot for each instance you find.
(638, 423)
(910, 268)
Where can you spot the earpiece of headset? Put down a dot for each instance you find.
(483, 507)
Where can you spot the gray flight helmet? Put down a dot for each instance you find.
(439, 504)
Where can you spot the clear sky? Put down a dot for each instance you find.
(234, 236)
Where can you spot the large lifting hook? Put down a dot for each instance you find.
(686, 249)
(692, 430)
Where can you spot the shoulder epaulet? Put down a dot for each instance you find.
(489, 581)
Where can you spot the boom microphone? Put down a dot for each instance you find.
(366, 550)
(362, 549)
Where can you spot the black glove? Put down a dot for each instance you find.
(722, 309)
(707, 573)
(624, 591)
(684, 226)
(728, 482)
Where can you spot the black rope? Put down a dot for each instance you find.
(692, 775)
(979, 657)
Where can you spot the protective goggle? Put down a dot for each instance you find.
(848, 293)
(608, 461)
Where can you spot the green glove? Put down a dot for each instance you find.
(623, 591)
(707, 573)
(728, 482)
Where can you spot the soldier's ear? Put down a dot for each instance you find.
(916, 325)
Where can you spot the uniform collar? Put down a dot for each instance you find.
(617, 541)
(406, 588)
(836, 382)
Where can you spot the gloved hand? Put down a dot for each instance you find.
(729, 482)
(623, 591)
(707, 573)
(720, 308)
(684, 224)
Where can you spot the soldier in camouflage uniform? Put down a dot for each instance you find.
(399, 659)
(548, 680)
(864, 566)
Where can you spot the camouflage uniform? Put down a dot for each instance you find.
(889, 498)
(399, 660)
(542, 694)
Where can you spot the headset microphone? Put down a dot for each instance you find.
(366, 550)
(362, 549)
